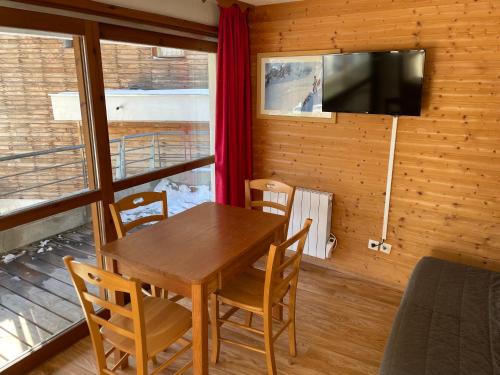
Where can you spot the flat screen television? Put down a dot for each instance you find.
(374, 82)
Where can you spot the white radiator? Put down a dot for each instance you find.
(313, 204)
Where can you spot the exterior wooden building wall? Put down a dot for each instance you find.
(447, 166)
(31, 68)
(186, 141)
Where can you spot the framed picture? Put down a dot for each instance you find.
(289, 84)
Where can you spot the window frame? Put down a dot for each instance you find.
(88, 35)
(92, 33)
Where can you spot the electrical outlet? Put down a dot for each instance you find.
(385, 248)
(373, 245)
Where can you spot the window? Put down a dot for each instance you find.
(159, 110)
(43, 153)
(54, 184)
(184, 191)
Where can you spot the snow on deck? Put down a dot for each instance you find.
(179, 198)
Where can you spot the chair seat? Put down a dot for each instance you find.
(165, 322)
(247, 291)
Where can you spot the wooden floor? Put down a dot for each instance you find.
(343, 324)
(37, 299)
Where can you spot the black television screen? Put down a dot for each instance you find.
(374, 82)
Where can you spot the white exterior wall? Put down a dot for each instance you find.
(140, 105)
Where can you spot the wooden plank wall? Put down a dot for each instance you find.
(131, 66)
(32, 68)
(447, 167)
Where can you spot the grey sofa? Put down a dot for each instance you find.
(448, 322)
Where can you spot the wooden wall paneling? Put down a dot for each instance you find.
(447, 164)
(121, 13)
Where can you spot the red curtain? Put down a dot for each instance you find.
(233, 127)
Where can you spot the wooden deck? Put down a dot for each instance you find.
(37, 299)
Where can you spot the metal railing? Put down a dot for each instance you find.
(135, 153)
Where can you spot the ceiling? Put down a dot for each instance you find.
(191, 10)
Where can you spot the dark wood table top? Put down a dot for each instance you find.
(195, 245)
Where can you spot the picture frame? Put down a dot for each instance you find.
(289, 86)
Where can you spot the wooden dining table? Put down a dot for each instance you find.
(194, 253)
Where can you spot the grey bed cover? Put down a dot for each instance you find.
(448, 322)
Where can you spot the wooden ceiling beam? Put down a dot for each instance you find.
(151, 38)
(126, 14)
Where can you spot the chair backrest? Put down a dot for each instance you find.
(110, 282)
(282, 277)
(272, 186)
(133, 201)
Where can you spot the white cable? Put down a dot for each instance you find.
(390, 168)
(331, 245)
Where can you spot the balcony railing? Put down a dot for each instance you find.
(131, 154)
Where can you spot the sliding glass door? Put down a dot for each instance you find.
(89, 113)
(37, 299)
(44, 157)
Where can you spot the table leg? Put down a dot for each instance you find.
(279, 238)
(200, 329)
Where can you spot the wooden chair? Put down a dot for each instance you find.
(258, 292)
(263, 185)
(254, 199)
(134, 201)
(143, 328)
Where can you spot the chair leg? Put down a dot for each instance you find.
(248, 318)
(141, 366)
(292, 336)
(159, 292)
(215, 327)
(268, 341)
(292, 340)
